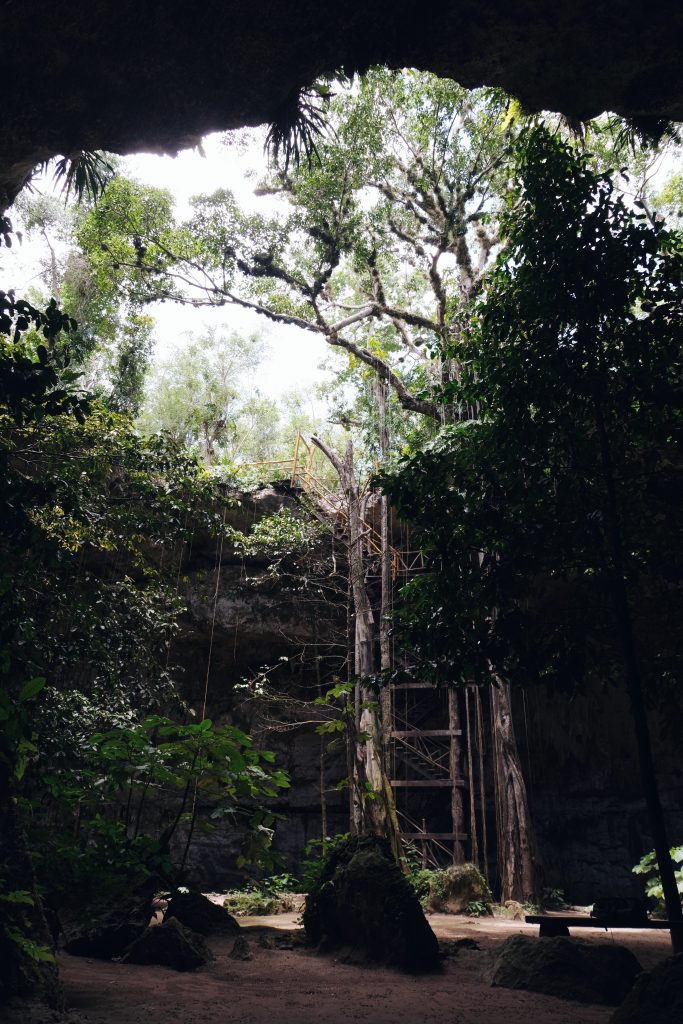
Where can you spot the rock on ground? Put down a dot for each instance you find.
(454, 888)
(241, 950)
(656, 997)
(103, 934)
(363, 902)
(566, 968)
(170, 944)
(195, 911)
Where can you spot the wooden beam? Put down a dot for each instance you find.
(461, 836)
(415, 686)
(427, 783)
(398, 733)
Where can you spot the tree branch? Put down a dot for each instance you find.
(407, 400)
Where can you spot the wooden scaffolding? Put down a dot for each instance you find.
(424, 738)
(426, 768)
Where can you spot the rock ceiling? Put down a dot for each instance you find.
(129, 75)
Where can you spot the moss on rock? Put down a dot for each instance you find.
(453, 889)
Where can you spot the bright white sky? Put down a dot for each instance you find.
(294, 358)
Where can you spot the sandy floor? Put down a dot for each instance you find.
(299, 987)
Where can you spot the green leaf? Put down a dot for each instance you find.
(31, 688)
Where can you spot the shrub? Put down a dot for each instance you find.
(647, 866)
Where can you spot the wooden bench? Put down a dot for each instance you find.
(559, 924)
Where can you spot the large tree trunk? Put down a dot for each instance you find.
(375, 799)
(516, 846)
(455, 771)
(385, 659)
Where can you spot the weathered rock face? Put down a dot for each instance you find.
(580, 756)
(567, 968)
(279, 623)
(656, 997)
(363, 902)
(219, 66)
(257, 617)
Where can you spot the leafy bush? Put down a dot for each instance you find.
(14, 925)
(553, 899)
(251, 902)
(647, 866)
(478, 908)
(276, 885)
(272, 895)
(100, 851)
(281, 534)
(316, 853)
(421, 881)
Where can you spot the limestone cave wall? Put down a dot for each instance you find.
(579, 755)
(578, 752)
(278, 623)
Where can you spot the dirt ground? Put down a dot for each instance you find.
(300, 987)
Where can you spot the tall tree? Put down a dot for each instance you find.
(557, 508)
(381, 244)
(376, 246)
(196, 394)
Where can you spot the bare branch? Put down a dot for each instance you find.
(363, 314)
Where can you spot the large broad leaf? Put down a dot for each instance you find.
(31, 688)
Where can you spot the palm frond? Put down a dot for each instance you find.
(85, 174)
(298, 124)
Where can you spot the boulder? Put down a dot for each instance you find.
(453, 889)
(170, 944)
(198, 913)
(656, 997)
(514, 910)
(282, 940)
(363, 902)
(567, 968)
(241, 950)
(103, 934)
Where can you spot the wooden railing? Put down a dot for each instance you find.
(300, 470)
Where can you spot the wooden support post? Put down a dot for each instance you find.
(470, 771)
(482, 786)
(453, 764)
(295, 463)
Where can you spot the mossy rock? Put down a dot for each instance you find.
(453, 889)
(363, 903)
(572, 969)
(170, 944)
(197, 912)
(656, 997)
